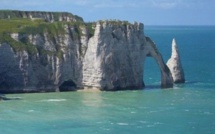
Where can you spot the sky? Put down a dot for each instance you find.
(149, 12)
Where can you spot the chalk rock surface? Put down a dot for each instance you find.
(116, 55)
(175, 66)
(60, 52)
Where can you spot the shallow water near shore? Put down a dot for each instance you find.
(186, 108)
(178, 110)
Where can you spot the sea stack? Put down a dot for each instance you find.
(174, 64)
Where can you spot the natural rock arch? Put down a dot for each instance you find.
(151, 72)
(113, 64)
(151, 51)
(107, 55)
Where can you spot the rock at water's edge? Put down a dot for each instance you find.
(105, 55)
(175, 66)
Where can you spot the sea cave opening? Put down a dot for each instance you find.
(152, 74)
(68, 85)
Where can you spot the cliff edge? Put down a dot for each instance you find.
(34, 15)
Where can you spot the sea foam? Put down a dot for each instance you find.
(53, 100)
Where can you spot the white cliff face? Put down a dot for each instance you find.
(53, 63)
(175, 66)
(112, 59)
(115, 57)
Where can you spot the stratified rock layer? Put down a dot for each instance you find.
(175, 66)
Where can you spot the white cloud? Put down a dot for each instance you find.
(165, 4)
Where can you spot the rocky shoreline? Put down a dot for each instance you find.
(41, 52)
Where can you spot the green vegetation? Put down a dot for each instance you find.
(115, 22)
(27, 27)
(17, 45)
(15, 14)
(7, 13)
(90, 28)
(38, 26)
(52, 29)
(26, 23)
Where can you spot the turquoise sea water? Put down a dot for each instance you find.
(185, 109)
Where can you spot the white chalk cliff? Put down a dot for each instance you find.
(34, 15)
(175, 66)
(115, 57)
(110, 58)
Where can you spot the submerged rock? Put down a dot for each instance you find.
(3, 97)
(175, 66)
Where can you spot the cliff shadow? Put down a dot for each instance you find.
(11, 76)
(68, 85)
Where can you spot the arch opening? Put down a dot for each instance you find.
(68, 85)
(152, 74)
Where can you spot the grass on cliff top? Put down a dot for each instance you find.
(17, 45)
(28, 26)
(115, 22)
(14, 14)
(38, 26)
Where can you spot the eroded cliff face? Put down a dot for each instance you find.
(115, 57)
(54, 60)
(108, 55)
